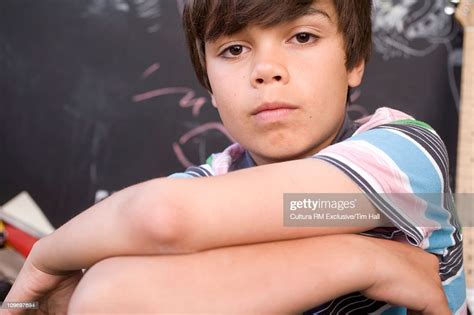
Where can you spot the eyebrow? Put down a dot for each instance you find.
(315, 11)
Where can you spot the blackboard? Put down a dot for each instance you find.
(97, 95)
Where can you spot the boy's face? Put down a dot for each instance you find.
(281, 91)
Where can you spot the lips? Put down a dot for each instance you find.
(273, 107)
(271, 113)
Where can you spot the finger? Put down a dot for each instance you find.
(20, 291)
(30, 286)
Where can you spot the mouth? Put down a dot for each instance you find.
(275, 112)
(273, 107)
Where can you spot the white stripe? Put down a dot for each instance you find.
(433, 144)
(437, 145)
(454, 266)
(381, 234)
(193, 173)
(384, 159)
(456, 252)
(394, 216)
(358, 308)
(425, 153)
(458, 274)
(327, 307)
(443, 158)
(349, 298)
(379, 155)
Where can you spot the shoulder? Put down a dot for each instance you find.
(393, 146)
(401, 165)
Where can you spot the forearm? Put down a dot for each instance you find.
(246, 207)
(317, 270)
(167, 216)
(114, 227)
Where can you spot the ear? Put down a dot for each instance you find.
(213, 100)
(354, 76)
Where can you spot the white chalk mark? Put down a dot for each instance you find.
(154, 67)
(188, 99)
(182, 158)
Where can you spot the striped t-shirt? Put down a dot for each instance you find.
(396, 161)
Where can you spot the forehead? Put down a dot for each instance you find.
(226, 17)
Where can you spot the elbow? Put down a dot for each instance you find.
(158, 218)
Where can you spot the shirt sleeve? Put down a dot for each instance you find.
(402, 168)
(203, 170)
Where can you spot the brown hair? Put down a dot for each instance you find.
(205, 20)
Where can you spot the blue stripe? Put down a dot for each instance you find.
(441, 238)
(180, 175)
(395, 311)
(456, 292)
(422, 176)
(423, 179)
(411, 160)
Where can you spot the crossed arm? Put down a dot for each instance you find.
(207, 218)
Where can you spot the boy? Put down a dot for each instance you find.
(278, 73)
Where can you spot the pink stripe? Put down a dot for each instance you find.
(381, 116)
(389, 177)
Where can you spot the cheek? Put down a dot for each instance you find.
(328, 84)
(221, 74)
(322, 69)
(325, 84)
(223, 88)
(228, 107)
(226, 96)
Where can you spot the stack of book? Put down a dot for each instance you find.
(22, 223)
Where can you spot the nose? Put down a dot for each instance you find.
(268, 72)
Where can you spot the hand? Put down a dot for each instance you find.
(407, 275)
(53, 292)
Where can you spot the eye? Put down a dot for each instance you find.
(304, 38)
(235, 50)
(232, 51)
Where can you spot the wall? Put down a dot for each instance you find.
(97, 95)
